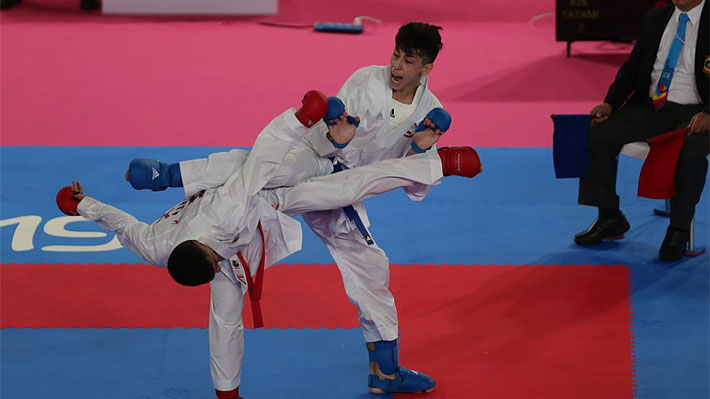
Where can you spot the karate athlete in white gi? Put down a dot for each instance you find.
(393, 103)
(224, 235)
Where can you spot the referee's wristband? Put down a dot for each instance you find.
(417, 149)
(341, 146)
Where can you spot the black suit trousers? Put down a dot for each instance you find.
(638, 122)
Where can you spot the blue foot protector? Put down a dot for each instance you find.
(387, 376)
(404, 381)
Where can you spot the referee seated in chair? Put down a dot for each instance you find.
(662, 86)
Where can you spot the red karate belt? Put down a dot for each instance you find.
(256, 283)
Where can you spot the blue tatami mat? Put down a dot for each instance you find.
(515, 212)
(174, 364)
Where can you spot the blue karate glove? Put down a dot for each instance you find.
(336, 108)
(439, 117)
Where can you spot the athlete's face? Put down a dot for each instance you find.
(686, 5)
(406, 69)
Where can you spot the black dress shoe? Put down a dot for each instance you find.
(603, 228)
(674, 245)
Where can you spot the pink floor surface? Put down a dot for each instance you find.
(86, 79)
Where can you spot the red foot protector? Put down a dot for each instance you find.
(548, 332)
(459, 161)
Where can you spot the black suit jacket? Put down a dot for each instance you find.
(634, 77)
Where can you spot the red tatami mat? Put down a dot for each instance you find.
(523, 332)
(481, 331)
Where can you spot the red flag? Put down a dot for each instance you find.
(657, 178)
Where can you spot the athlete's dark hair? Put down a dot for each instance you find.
(189, 265)
(419, 38)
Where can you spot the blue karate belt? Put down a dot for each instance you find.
(351, 212)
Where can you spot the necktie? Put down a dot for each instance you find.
(661, 93)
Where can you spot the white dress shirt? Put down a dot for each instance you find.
(683, 89)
